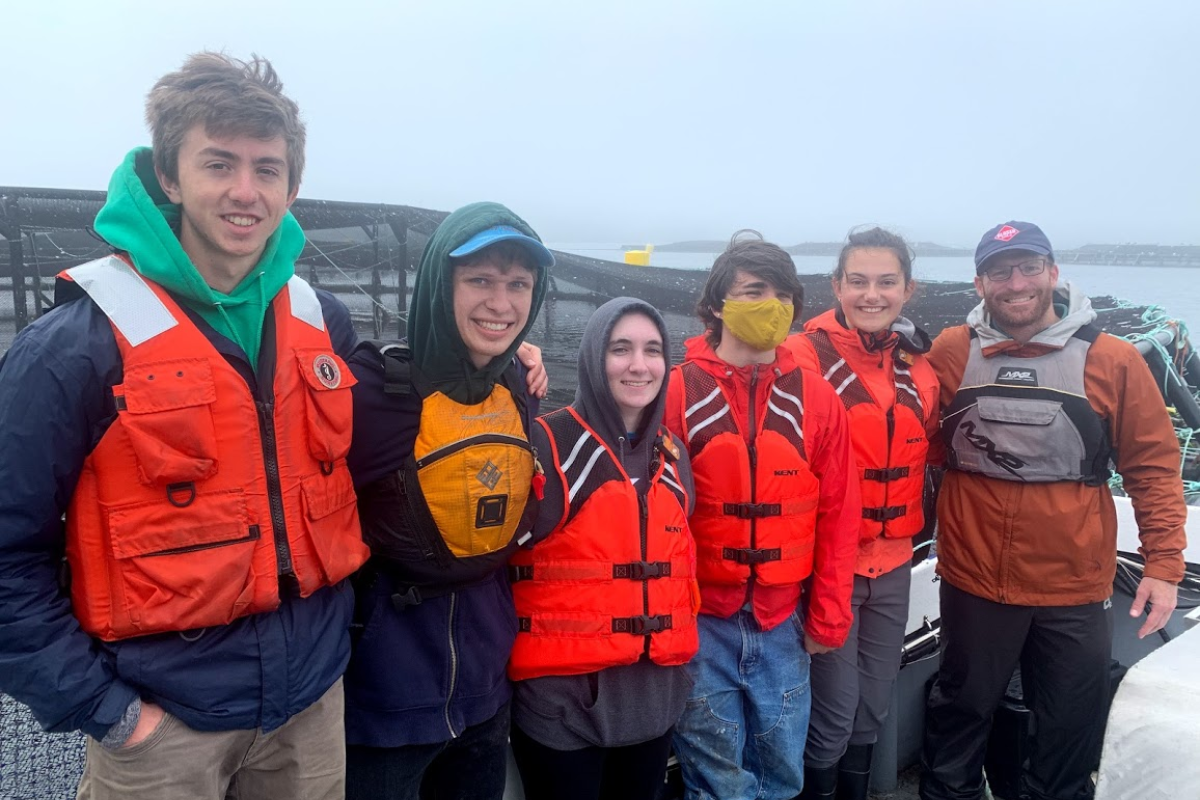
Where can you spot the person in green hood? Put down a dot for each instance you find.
(448, 486)
(186, 406)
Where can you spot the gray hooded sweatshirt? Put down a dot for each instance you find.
(625, 705)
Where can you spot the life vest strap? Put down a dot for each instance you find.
(638, 626)
(633, 571)
(884, 513)
(885, 475)
(752, 510)
(747, 556)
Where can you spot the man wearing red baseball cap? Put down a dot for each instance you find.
(1037, 403)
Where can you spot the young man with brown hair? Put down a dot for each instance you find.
(192, 421)
(776, 527)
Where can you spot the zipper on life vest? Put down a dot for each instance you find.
(471, 441)
(283, 552)
(453, 664)
(644, 520)
(752, 449)
(891, 428)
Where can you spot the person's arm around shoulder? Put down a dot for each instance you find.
(1121, 387)
(839, 516)
(537, 380)
(55, 403)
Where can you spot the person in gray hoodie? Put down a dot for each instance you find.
(605, 592)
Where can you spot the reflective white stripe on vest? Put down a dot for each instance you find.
(906, 387)
(703, 402)
(306, 306)
(121, 293)
(672, 483)
(786, 415)
(693, 431)
(836, 366)
(575, 450)
(587, 470)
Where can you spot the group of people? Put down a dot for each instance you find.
(251, 556)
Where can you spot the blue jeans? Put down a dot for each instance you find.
(742, 733)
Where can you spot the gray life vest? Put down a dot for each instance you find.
(1027, 419)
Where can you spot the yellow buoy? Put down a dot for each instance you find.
(639, 258)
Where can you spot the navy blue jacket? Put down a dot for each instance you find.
(424, 674)
(56, 402)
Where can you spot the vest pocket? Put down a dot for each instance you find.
(331, 523)
(328, 405)
(1018, 412)
(181, 568)
(165, 408)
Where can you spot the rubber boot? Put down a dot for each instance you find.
(854, 772)
(819, 783)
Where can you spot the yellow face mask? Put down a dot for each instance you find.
(762, 324)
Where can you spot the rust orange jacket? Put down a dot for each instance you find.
(198, 498)
(803, 488)
(1056, 543)
(893, 411)
(616, 577)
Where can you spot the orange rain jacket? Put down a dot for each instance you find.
(1043, 544)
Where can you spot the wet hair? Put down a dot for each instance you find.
(503, 254)
(229, 98)
(747, 251)
(876, 238)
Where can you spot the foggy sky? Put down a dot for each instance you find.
(659, 121)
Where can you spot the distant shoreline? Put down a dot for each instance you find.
(1131, 255)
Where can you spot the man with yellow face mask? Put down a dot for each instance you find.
(777, 507)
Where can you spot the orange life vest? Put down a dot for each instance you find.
(890, 447)
(616, 577)
(756, 503)
(198, 497)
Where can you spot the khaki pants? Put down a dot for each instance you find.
(305, 759)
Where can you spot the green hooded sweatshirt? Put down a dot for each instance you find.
(438, 350)
(138, 218)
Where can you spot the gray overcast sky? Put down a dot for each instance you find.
(659, 121)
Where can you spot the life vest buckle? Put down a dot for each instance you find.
(642, 625)
(885, 475)
(748, 557)
(642, 570)
(409, 597)
(884, 513)
(752, 510)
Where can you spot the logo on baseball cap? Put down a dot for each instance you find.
(1012, 235)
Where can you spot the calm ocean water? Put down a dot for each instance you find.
(1176, 289)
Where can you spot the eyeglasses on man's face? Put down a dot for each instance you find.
(1002, 272)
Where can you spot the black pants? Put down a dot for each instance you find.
(634, 772)
(1064, 654)
(471, 767)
